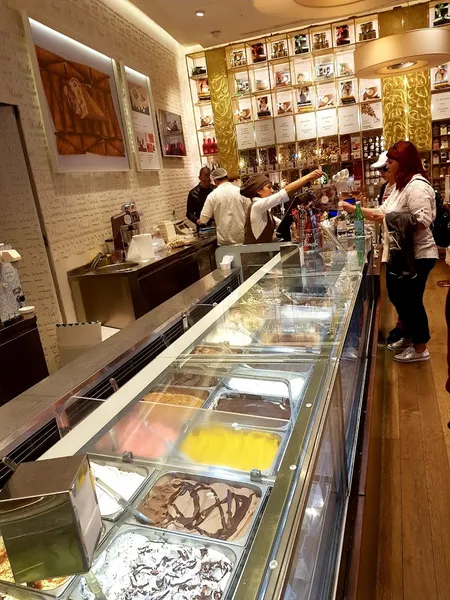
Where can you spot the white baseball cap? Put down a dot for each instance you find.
(381, 162)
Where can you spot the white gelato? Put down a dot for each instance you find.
(123, 482)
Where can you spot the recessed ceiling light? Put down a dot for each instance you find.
(402, 65)
(200, 13)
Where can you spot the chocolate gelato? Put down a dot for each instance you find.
(190, 504)
(251, 404)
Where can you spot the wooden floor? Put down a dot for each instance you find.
(414, 542)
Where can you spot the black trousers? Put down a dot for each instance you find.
(406, 294)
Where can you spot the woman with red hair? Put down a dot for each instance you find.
(412, 205)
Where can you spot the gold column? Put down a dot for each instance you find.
(406, 98)
(395, 115)
(222, 109)
(419, 109)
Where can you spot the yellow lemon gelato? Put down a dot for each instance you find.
(241, 449)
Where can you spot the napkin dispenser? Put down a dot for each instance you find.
(49, 518)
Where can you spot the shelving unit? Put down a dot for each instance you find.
(297, 103)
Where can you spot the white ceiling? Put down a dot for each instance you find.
(238, 19)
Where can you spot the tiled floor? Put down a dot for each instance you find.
(414, 542)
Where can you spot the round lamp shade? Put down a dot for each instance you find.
(403, 52)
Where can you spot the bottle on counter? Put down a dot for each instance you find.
(341, 229)
(359, 220)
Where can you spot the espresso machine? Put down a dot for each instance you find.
(12, 298)
(124, 225)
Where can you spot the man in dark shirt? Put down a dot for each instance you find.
(198, 195)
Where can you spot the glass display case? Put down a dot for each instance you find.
(234, 448)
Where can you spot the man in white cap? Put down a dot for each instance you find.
(388, 187)
(228, 208)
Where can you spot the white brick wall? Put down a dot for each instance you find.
(77, 207)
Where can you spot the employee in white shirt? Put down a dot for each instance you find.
(259, 222)
(228, 208)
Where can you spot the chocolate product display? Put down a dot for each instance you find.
(123, 482)
(241, 449)
(192, 380)
(252, 404)
(135, 567)
(178, 399)
(200, 505)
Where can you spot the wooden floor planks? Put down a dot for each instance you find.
(414, 546)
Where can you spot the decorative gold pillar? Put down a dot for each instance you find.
(406, 98)
(419, 109)
(222, 109)
(395, 114)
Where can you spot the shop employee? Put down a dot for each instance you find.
(197, 196)
(228, 208)
(259, 223)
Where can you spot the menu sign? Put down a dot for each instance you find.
(348, 119)
(306, 126)
(326, 122)
(371, 115)
(138, 91)
(440, 106)
(265, 134)
(284, 130)
(245, 136)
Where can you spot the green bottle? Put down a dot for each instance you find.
(359, 220)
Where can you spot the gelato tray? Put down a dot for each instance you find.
(144, 563)
(199, 505)
(190, 379)
(231, 446)
(177, 395)
(126, 479)
(226, 400)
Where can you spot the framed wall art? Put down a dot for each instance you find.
(171, 134)
(79, 102)
(142, 128)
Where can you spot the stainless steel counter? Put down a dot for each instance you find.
(29, 411)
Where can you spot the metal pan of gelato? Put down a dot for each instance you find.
(177, 395)
(190, 379)
(251, 404)
(144, 563)
(126, 479)
(231, 446)
(220, 509)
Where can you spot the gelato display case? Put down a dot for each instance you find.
(234, 448)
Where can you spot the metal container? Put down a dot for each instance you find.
(233, 553)
(167, 380)
(20, 591)
(132, 467)
(260, 489)
(49, 508)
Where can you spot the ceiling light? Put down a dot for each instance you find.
(402, 65)
(407, 51)
(200, 13)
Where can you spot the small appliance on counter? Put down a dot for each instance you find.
(170, 229)
(124, 225)
(12, 299)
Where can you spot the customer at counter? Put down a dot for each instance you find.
(228, 208)
(197, 196)
(259, 223)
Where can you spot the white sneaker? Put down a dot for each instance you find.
(410, 355)
(401, 343)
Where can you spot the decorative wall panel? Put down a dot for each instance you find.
(223, 112)
(419, 109)
(407, 18)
